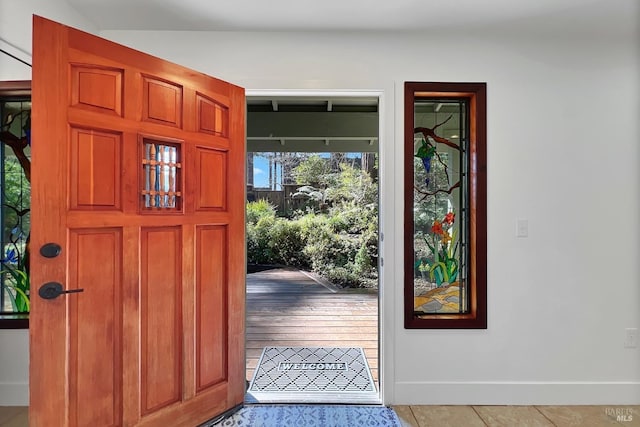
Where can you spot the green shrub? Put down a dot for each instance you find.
(341, 245)
(332, 254)
(351, 184)
(310, 222)
(258, 247)
(355, 219)
(312, 170)
(276, 241)
(366, 259)
(259, 209)
(341, 276)
(286, 243)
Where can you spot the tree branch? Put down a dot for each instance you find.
(12, 118)
(18, 145)
(441, 123)
(430, 132)
(441, 190)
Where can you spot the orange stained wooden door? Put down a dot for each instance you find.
(138, 175)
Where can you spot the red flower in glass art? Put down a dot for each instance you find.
(437, 228)
(449, 218)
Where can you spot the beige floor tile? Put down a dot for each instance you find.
(510, 416)
(446, 416)
(406, 416)
(635, 409)
(9, 412)
(20, 419)
(585, 416)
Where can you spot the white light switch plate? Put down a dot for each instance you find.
(522, 227)
(631, 338)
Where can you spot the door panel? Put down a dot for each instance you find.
(212, 165)
(138, 173)
(211, 327)
(95, 322)
(213, 116)
(160, 317)
(97, 89)
(162, 102)
(95, 156)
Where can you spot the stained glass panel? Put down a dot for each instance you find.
(439, 215)
(15, 175)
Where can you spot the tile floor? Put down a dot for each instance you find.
(518, 416)
(467, 416)
(14, 416)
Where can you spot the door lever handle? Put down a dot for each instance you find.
(51, 290)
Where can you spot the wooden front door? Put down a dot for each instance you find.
(138, 177)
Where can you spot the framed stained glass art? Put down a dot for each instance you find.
(445, 205)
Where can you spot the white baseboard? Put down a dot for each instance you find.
(516, 393)
(14, 394)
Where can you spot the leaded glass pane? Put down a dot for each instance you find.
(15, 151)
(161, 176)
(439, 201)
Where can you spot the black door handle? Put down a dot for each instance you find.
(53, 290)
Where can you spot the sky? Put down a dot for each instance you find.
(260, 172)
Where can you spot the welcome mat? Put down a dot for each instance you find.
(312, 374)
(310, 415)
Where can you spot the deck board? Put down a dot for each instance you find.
(287, 308)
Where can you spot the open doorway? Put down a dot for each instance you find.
(312, 248)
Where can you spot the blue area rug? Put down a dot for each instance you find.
(311, 415)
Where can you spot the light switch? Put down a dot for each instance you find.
(522, 227)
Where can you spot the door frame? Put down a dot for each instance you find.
(384, 215)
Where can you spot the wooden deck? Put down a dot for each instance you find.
(287, 308)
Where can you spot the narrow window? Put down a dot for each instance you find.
(15, 176)
(445, 205)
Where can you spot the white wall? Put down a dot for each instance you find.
(15, 38)
(14, 367)
(563, 151)
(16, 26)
(563, 114)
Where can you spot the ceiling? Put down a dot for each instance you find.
(312, 124)
(268, 116)
(356, 15)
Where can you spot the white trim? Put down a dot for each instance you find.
(385, 212)
(320, 93)
(312, 138)
(517, 393)
(386, 208)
